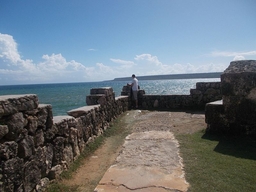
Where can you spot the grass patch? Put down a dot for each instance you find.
(218, 162)
(55, 187)
(117, 129)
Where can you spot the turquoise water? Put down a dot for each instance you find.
(66, 96)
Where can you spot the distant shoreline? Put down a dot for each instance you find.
(174, 76)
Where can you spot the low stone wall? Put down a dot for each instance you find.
(36, 147)
(203, 93)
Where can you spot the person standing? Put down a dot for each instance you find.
(135, 89)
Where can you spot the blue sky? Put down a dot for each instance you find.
(53, 41)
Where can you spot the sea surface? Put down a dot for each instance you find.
(66, 96)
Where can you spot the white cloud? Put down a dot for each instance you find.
(148, 57)
(91, 49)
(147, 64)
(232, 54)
(178, 68)
(104, 69)
(57, 63)
(56, 68)
(123, 62)
(52, 68)
(8, 48)
(238, 57)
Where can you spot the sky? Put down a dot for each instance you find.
(60, 41)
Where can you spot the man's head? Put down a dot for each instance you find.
(133, 76)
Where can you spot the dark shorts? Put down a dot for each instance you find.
(135, 95)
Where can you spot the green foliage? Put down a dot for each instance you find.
(218, 162)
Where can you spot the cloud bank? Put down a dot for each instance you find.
(235, 55)
(55, 68)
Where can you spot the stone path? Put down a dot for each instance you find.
(149, 160)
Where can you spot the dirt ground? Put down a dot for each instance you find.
(94, 167)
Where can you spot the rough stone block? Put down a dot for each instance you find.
(42, 185)
(26, 147)
(102, 90)
(55, 172)
(215, 118)
(3, 130)
(11, 104)
(8, 150)
(12, 173)
(44, 115)
(82, 111)
(32, 175)
(238, 83)
(15, 123)
(241, 66)
(213, 110)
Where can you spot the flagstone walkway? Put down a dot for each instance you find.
(149, 160)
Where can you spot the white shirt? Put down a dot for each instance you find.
(135, 84)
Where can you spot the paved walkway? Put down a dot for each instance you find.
(149, 160)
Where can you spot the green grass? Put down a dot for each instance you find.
(55, 187)
(218, 163)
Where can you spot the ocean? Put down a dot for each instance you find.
(66, 96)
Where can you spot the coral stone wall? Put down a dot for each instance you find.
(237, 113)
(36, 147)
(26, 152)
(239, 94)
(203, 93)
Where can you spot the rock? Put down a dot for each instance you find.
(82, 111)
(39, 138)
(241, 66)
(68, 156)
(32, 175)
(15, 125)
(63, 129)
(12, 173)
(45, 115)
(74, 141)
(55, 172)
(44, 155)
(156, 103)
(8, 150)
(32, 124)
(42, 185)
(58, 147)
(26, 147)
(51, 132)
(14, 103)
(3, 130)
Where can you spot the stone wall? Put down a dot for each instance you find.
(203, 93)
(36, 147)
(236, 113)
